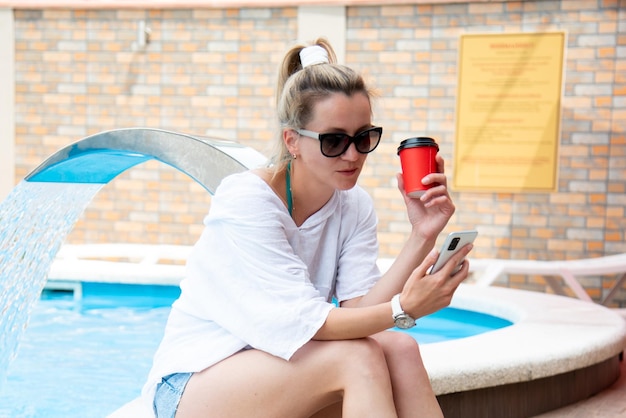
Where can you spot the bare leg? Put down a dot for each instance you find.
(333, 411)
(412, 392)
(322, 373)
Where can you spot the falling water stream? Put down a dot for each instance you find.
(41, 210)
(34, 220)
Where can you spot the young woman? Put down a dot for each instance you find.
(254, 332)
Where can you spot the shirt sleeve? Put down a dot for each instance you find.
(243, 274)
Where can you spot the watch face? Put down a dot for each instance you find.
(404, 321)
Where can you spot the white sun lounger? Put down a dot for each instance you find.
(119, 263)
(486, 271)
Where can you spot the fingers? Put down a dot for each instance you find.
(437, 183)
(424, 294)
(438, 188)
(440, 163)
(434, 179)
(452, 269)
(438, 177)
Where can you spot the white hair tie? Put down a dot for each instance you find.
(312, 55)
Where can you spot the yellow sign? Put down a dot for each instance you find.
(508, 112)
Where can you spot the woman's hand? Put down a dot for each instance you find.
(425, 293)
(431, 212)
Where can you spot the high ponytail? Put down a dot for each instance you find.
(292, 64)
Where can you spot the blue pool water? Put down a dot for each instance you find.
(452, 323)
(87, 358)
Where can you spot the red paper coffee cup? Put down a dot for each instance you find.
(417, 157)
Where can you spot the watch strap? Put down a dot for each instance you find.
(396, 308)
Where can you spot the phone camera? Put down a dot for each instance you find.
(453, 243)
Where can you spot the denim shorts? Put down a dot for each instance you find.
(168, 394)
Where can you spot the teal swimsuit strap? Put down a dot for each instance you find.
(288, 184)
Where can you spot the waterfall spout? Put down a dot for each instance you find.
(101, 157)
(41, 210)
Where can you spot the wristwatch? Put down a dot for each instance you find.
(400, 318)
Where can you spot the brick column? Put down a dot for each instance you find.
(7, 103)
(329, 22)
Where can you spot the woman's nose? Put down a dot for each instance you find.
(351, 153)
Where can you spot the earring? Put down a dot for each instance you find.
(294, 156)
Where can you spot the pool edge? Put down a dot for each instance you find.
(552, 335)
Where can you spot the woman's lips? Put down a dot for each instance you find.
(348, 172)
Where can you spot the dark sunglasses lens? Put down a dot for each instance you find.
(363, 141)
(366, 141)
(334, 144)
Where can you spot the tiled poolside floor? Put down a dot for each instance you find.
(610, 403)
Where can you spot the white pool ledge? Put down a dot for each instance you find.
(551, 335)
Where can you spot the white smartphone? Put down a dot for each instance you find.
(453, 243)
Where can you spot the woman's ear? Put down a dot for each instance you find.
(290, 138)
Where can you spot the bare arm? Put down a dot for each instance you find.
(428, 216)
(412, 254)
(421, 295)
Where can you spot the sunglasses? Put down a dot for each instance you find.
(335, 144)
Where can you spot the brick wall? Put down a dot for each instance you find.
(212, 72)
(415, 50)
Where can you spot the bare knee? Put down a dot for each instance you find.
(400, 344)
(363, 359)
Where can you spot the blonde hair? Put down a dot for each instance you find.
(299, 89)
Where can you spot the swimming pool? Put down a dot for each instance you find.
(83, 358)
(88, 357)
